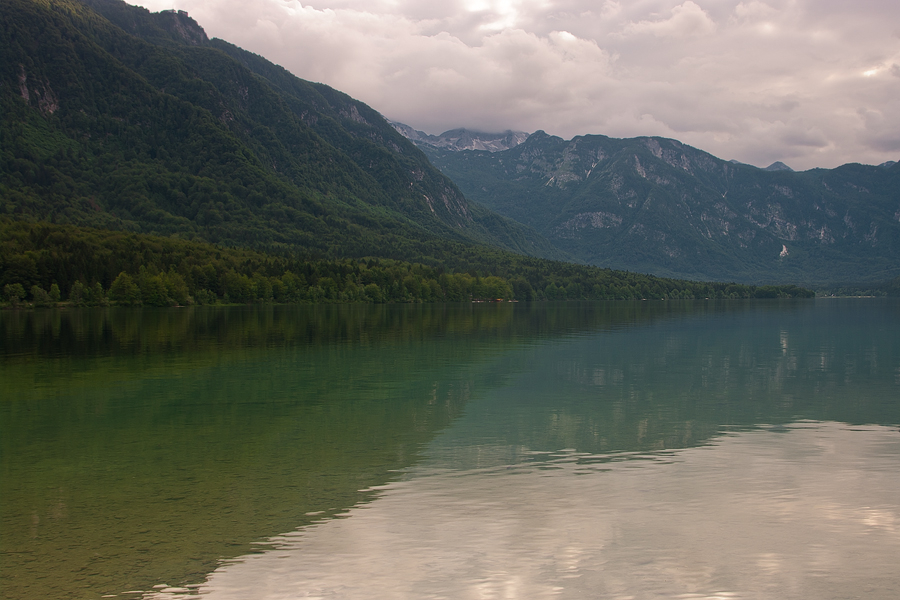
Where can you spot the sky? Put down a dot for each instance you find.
(811, 83)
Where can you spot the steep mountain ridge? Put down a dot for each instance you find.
(656, 205)
(121, 118)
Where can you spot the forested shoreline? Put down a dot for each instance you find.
(146, 165)
(43, 264)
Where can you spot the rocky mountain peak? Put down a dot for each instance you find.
(463, 139)
(187, 28)
(778, 166)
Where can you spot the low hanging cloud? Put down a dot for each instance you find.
(791, 80)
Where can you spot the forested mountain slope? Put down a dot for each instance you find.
(657, 206)
(119, 118)
(142, 163)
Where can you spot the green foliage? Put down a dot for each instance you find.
(888, 288)
(124, 291)
(14, 293)
(88, 295)
(136, 269)
(40, 297)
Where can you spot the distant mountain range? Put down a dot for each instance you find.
(463, 139)
(658, 206)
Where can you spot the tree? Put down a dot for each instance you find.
(373, 293)
(124, 291)
(14, 292)
(76, 294)
(40, 297)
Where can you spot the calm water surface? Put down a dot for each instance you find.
(607, 450)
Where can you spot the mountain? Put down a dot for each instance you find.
(463, 139)
(119, 118)
(778, 166)
(658, 206)
(143, 163)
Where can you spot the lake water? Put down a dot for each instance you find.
(605, 450)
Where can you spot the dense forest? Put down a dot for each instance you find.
(43, 264)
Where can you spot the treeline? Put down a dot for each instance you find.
(888, 288)
(43, 264)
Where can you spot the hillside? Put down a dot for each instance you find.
(143, 163)
(118, 118)
(655, 205)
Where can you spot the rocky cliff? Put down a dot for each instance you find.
(656, 205)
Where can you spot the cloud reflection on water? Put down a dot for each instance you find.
(812, 510)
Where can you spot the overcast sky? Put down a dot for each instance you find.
(812, 83)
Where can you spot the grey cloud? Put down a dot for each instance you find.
(722, 75)
(804, 137)
(886, 142)
(881, 134)
(786, 105)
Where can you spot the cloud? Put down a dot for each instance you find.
(801, 134)
(687, 19)
(731, 77)
(753, 10)
(880, 133)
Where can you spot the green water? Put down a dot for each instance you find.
(179, 447)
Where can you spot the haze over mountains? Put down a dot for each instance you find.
(656, 205)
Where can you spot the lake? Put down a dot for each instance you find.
(736, 449)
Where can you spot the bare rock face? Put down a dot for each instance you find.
(659, 206)
(37, 91)
(463, 139)
(189, 30)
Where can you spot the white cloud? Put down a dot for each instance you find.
(754, 80)
(753, 10)
(687, 19)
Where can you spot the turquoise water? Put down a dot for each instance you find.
(609, 450)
